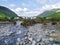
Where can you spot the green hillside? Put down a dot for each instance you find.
(54, 13)
(6, 13)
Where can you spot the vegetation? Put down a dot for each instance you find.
(28, 22)
(55, 16)
(6, 13)
(47, 16)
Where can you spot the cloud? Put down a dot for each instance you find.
(21, 9)
(24, 12)
(36, 11)
(45, 1)
(47, 7)
(25, 9)
(52, 1)
(18, 9)
(52, 6)
(25, 5)
(41, 1)
(11, 5)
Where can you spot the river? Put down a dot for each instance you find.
(11, 34)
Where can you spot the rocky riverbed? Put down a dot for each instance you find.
(37, 34)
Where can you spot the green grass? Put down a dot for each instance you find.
(54, 15)
(6, 13)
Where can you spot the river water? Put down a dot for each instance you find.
(11, 34)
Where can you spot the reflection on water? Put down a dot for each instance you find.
(37, 34)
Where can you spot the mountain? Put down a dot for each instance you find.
(6, 13)
(53, 13)
(45, 13)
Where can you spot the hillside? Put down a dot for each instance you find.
(46, 13)
(6, 13)
(54, 13)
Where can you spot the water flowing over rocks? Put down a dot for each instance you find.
(37, 34)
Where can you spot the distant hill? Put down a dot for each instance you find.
(6, 13)
(54, 13)
(45, 13)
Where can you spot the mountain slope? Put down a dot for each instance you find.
(5, 13)
(54, 13)
(45, 13)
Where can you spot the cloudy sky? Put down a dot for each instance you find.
(30, 7)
